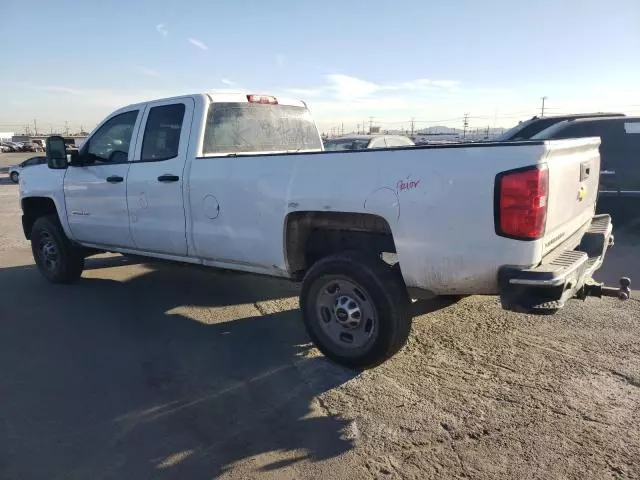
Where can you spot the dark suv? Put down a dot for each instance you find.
(535, 125)
(619, 151)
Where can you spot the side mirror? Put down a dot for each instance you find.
(56, 153)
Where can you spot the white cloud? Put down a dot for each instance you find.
(347, 88)
(160, 28)
(148, 71)
(198, 43)
(59, 89)
(350, 99)
(280, 59)
(228, 82)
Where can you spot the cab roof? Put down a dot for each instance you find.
(224, 97)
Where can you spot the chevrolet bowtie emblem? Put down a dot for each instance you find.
(582, 192)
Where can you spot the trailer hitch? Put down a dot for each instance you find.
(600, 290)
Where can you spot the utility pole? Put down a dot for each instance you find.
(370, 124)
(466, 125)
(413, 123)
(542, 109)
(364, 123)
(35, 126)
(342, 133)
(66, 127)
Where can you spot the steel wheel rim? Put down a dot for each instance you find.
(48, 252)
(14, 176)
(346, 314)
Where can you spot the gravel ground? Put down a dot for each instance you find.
(147, 371)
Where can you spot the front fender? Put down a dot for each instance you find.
(42, 182)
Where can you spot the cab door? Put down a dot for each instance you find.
(96, 190)
(156, 178)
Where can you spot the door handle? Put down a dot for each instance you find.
(168, 178)
(608, 172)
(115, 179)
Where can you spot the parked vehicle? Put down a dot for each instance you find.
(240, 182)
(30, 146)
(526, 130)
(360, 142)
(5, 148)
(619, 151)
(15, 170)
(39, 144)
(10, 147)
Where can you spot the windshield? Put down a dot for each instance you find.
(346, 144)
(252, 127)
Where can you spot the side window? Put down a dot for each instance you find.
(162, 133)
(110, 144)
(579, 130)
(377, 143)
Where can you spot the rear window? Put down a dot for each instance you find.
(254, 127)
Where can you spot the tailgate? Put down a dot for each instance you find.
(574, 171)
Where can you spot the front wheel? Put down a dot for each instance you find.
(56, 257)
(356, 309)
(14, 177)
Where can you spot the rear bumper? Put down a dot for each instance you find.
(565, 275)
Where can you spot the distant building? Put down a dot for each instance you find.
(6, 136)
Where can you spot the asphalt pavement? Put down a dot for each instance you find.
(168, 371)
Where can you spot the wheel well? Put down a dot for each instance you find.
(309, 236)
(34, 208)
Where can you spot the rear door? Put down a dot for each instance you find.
(628, 164)
(155, 182)
(611, 135)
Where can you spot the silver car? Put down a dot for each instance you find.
(14, 171)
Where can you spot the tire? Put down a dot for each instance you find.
(56, 257)
(341, 285)
(15, 178)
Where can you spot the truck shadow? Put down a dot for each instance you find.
(143, 376)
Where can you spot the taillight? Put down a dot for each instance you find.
(521, 198)
(268, 99)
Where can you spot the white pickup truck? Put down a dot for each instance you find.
(242, 182)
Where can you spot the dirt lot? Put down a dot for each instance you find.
(143, 371)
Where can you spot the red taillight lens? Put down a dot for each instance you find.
(521, 203)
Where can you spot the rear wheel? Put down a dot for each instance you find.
(56, 257)
(356, 309)
(14, 177)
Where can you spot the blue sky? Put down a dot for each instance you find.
(350, 59)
